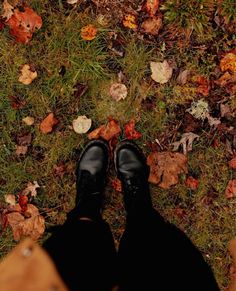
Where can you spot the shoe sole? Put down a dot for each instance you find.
(131, 144)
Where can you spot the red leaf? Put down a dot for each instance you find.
(130, 131)
(151, 7)
(23, 201)
(107, 132)
(192, 183)
(24, 23)
(203, 85)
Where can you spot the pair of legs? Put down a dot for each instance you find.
(153, 254)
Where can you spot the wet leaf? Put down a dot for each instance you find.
(32, 224)
(82, 124)
(152, 25)
(118, 91)
(130, 21)
(230, 190)
(232, 163)
(28, 74)
(130, 131)
(8, 10)
(107, 132)
(186, 142)
(228, 63)
(165, 168)
(88, 32)
(161, 71)
(10, 199)
(48, 124)
(23, 24)
(192, 183)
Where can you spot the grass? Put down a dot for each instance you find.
(205, 215)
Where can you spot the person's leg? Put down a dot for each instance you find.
(83, 248)
(153, 254)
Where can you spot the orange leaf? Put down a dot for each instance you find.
(228, 62)
(130, 21)
(130, 131)
(152, 6)
(192, 183)
(23, 202)
(152, 25)
(48, 123)
(88, 32)
(116, 184)
(107, 132)
(232, 163)
(203, 85)
(23, 24)
(230, 190)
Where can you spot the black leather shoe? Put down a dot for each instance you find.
(91, 175)
(132, 170)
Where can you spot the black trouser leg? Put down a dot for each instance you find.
(84, 254)
(155, 255)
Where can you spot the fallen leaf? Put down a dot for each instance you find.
(48, 124)
(232, 163)
(161, 71)
(116, 184)
(8, 10)
(152, 25)
(59, 170)
(33, 225)
(228, 63)
(130, 131)
(118, 91)
(130, 21)
(82, 124)
(10, 199)
(107, 132)
(183, 77)
(23, 202)
(28, 74)
(72, 1)
(192, 183)
(151, 7)
(186, 142)
(213, 121)
(17, 102)
(165, 168)
(203, 85)
(88, 32)
(225, 79)
(24, 139)
(230, 190)
(31, 189)
(28, 120)
(190, 124)
(21, 150)
(23, 24)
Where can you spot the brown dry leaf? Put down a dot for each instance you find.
(28, 120)
(152, 25)
(151, 7)
(23, 24)
(228, 63)
(230, 190)
(232, 163)
(24, 139)
(10, 199)
(130, 21)
(225, 79)
(183, 77)
(107, 132)
(8, 10)
(161, 71)
(88, 32)
(192, 183)
(28, 74)
(32, 224)
(48, 124)
(118, 91)
(165, 168)
(17, 102)
(31, 189)
(59, 170)
(186, 141)
(21, 150)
